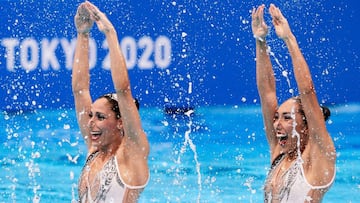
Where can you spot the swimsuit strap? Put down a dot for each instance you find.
(91, 157)
(277, 160)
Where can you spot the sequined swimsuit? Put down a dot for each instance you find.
(107, 186)
(294, 186)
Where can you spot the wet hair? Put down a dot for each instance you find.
(325, 110)
(113, 100)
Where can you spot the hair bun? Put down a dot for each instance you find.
(326, 112)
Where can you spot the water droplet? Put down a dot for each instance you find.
(66, 126)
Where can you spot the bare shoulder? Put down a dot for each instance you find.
(133, 170)
(319, 165)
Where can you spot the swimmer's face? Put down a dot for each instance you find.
(288, 123)
(103, 125)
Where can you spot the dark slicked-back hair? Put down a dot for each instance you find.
(112, 98)
(325, 110)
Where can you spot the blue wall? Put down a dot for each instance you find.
(210, 45)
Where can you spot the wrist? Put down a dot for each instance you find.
(261, 42)
(260, 39)
(110, 30)
(289, 38)
(83, 34)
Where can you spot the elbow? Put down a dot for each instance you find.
(123, 86)
(309, 89)
(79, 91)
(75, 87)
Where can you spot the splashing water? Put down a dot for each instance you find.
(283, 71)
(34, 170)
(73, 187)
(248, 184)
(188, 142)
(294, 132)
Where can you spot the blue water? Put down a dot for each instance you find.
(215, 154)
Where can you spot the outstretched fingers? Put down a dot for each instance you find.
(258, 24)
(280, 23)
(258, 13)
(99, 17)
(94, 11)
(276, 14)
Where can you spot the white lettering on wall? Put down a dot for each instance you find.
(69, 50)
(147, 45)
(145, 53)
(162, 52)
(129, 49)
(29, 54)
(10, 44)
(48, 54)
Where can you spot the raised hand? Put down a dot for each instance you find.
(83, 21)
(280, 23)
(99, 17)
(259, 27)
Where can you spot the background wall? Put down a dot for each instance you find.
(179, 53)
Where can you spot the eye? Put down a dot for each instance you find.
(276, 117)
(287, 117)
(90, 114)
(100, 117)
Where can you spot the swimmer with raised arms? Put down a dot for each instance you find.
(116, 169)
(302, 151)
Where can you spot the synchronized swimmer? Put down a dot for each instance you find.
(116, 169)
(302, 151)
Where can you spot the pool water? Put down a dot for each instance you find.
(213, 154)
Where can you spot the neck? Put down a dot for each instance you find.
(292, 154)
(109, 150)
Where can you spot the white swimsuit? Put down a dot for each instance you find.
(295, 187)
(110, 186)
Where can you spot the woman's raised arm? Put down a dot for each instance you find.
(80, 69)
(265, 76)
